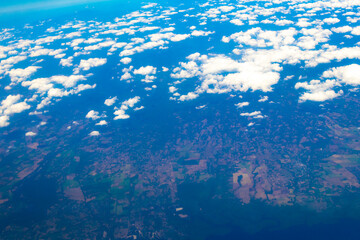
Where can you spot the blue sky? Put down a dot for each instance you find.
(26, 5)
(249, 49)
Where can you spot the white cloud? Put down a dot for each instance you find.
(283, 22)
(263, 99)
(145, 70)
(4, 121)
(172, 89)
(150, 5)
(242, 104)
(356, 31)
(252, 114)
(256, 37)
(67, 81)
(348, 74)
(221, 74)
(91, 62)
(179, 37)
(101, 123)
(92, 115)
(103, 45)
(46, 84)
(139, 108)
(110, 101)
(303, 22)
(16, 108)
(331, 20)
(120, 114)
(198, 33)
(237, 22)
(9, 106)
(66, 62)
(72, 35)
(130, 103)
(342, 29)
(157, 37)
(318, 91)
(126, 76)
(319, 96)
(19, 75)
(94, 133)
(226, 8)
(189, 96)
(126, 60)
(144, 29)
(30, 134)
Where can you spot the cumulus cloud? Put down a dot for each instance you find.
(9, 106)
(145, 70)
(66, 62)
(189, 96)
(47, 84)
(94, 133)
(331, 20)
(320, 96)
(179, 37)
(125, 60)
(4, 121)
(242, 104)
(257, 37)
(130, 102)
(16, 108)
(237, 22)
(102, 123)
(318, 91)
(221, 74)
(30, 134)
(150, 5)
(283, 22)
(263, 99)
(343, 29)
(226, 8)
(92, 115)
(19, 75)
(198, 33)
(348, 74)
(110, 101)
(91, 62)
(120, 113)
(68, 81)
(172, 89)
(126, 76)
(356, 31)
(255, 114)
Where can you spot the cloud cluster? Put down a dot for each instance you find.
(335, 77)
(10, 106)
(222, 74)
(120, 113)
